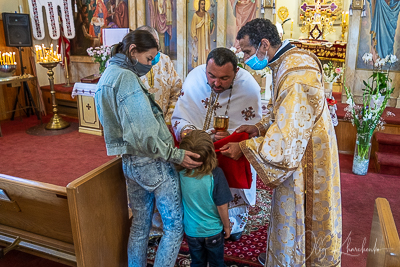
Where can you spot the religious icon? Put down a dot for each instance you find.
(201, 31)
(238, 14)
(92, 17)
(378, 31)
(161, 15)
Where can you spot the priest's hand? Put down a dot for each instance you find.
(188, 162)
(252, 130)
(232, 150)
(219, 135)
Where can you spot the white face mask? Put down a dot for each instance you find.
(255, 63)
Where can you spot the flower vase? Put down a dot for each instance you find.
(362, 153)
(328, 89)
(102, 67)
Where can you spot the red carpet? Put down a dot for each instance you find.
(57, 159)
(75, 154)
(358, 199)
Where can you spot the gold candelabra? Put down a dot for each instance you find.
(318, 21)
(56, 122)
(344, 24)
(49, 59)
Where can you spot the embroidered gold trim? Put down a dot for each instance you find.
(257, 166)
(276, 65)
(261, 129)
(308, 176)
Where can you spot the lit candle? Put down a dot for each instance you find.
(342, 16)
(66, 67)
(291, 27)
(14, 57)
(51, 48)
(347, 17)
(40, 53)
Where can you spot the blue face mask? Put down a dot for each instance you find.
(155, 59)
(255, 63)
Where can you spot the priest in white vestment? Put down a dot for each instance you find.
(221, 88)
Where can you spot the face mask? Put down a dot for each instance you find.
(255, 63)
(156, 59)
(141, 69)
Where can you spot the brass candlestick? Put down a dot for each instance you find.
(67, 84)
(345, 26)
(56, 122)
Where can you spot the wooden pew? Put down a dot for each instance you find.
(83, 224)
(384, 243)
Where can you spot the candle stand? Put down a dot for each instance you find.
(56, 122)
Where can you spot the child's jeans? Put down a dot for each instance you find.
(207, 249)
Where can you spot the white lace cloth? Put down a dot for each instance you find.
(86, 89)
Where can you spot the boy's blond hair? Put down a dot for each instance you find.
(199, 142)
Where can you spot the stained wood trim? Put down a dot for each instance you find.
(38, 185)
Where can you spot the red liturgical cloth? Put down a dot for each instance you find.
(237, 172)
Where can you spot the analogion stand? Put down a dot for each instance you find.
(88, 119)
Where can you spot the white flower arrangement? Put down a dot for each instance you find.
(101, 55)
(367, 116)
(331, 74)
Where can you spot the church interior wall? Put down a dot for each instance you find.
(82, 66)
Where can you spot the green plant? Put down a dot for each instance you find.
(367, 116)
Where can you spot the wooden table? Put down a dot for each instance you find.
(17, 82)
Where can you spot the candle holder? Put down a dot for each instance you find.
(67, 83)
(345, 27)
(56, 122)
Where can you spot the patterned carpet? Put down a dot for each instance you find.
(244, 252)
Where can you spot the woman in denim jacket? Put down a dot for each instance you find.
(134, 127)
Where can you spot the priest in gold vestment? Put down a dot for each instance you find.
(294, 151)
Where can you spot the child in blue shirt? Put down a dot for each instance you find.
(205, 198)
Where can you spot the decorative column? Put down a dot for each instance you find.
(352, 47)
(181, 38)
(268, 10)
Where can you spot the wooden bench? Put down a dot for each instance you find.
(83, 224)
(384, 243)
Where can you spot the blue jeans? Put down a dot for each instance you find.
(206, 249)
(148, 179)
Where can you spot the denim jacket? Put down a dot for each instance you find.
(132, 121)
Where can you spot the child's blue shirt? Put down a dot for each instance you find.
(200, 198)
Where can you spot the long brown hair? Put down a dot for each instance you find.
(199, 142)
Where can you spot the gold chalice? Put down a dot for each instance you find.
(221, 123)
